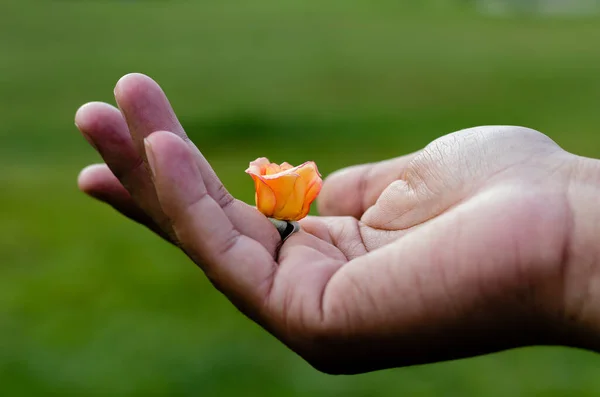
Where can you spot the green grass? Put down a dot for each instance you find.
(91, 304)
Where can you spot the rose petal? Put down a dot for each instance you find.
(283, 187)
(272, 169)
(292, 208)
(265, 196)
(311, 194)
(286, 166)
(309, 172)
(258, 166)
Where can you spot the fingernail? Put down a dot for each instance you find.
(149, 156)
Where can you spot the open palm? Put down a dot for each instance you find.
(416, 259)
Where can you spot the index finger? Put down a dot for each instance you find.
(238, 265)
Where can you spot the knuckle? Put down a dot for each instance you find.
(423, 172)
(222, 196)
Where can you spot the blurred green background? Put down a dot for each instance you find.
(93, 305)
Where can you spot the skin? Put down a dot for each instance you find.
(482, 241)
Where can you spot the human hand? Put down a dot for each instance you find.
(457, 250)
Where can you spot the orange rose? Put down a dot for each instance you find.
(285, 192)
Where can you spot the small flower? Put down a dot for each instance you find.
(282, 191)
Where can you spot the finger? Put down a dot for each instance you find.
(104, 126)
(238, 265)
(146, 110)
(351, 191)
(100, 183)
(405, 204)
(351, 236)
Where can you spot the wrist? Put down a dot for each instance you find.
(582, 256)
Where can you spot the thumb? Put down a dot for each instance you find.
(351, 191)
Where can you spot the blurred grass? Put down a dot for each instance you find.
(93, 305)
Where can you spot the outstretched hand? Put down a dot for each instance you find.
(457, 250)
